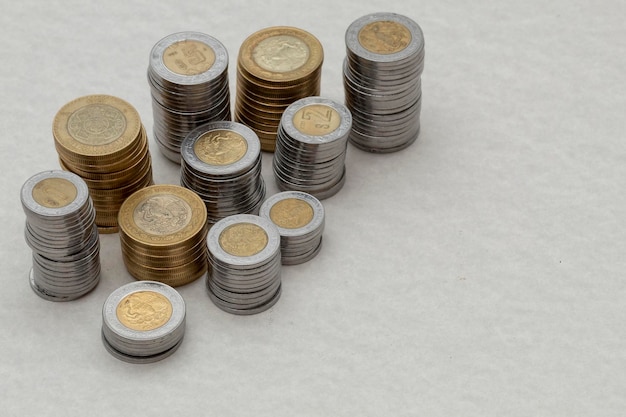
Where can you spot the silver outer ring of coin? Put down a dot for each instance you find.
(138, 359)
(109, 311)
(243, 164)
(32, 206)
(415, 45)
(318, 212)
(266, 254)
(218, 67)
(339, 133)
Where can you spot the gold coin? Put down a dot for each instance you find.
(384, 37)
(189, 57)
(281, 54)
(220, 147)
(54, 192)
(96, 126)
(316, 120)
(243, 239)
(291, 213)
(144, 310)
(162, 215)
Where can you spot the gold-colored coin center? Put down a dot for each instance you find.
(220, 147)
(291, 213)
(243, 239)
(96, 124)
(188, 57)
(163, 214)
(384, 37)
(144, 310)
(54, 192)
(281, 53)
(316, 120)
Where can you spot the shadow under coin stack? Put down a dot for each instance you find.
(163, 232)
(101, 139)
(276, 66)
(61, 232)
(143, 322)
(244, 264)
(311, 147)
(188, 77)
(221, 162)
(382, 70)
(299, 218)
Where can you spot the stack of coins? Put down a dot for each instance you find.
(163, 232)
(299, 218)
(221, 162)
(61, 232)
(143, 322)
(276, 67)
(101, 139)
(244, 264)
(311, 147)
(382, 70)
(188, 77)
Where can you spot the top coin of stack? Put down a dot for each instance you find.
(101, 139)
(188, 77)
(276, 66)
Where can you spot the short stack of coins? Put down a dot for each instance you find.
(221, 162)
(143, 322)
(101, 139)
(276, 66)
(61, 232)
(163, 232)
(299, 218)
(311, 147)
(382, 81)
(188, 77)
(244, 264)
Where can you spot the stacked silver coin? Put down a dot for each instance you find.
(61, 231)
(299, 218)
(221, 162)
(244, 264)
(188, 77)
(311, 147)
(382, 81)
(143, 322)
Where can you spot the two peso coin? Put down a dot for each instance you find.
(188, 77)
(61, 232)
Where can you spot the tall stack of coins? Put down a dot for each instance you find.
(188, 77)
(221, 162)
(382, 70)
(299, 218)
(276, 66)
(101, 139)
(61, 232)
(244, 264)
(143, 322)
(163, 232)
(311, 147)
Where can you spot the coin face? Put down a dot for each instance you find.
(384, 37)
(220, 147)
(188, 57)
(281, 53)
(162, 214)
(243, 239)
(96, 124)
(144, 310)
(316, 120)
(291, 213)
(54, 192)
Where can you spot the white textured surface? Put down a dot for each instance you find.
(480, 272)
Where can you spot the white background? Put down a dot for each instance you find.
(480, 272)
